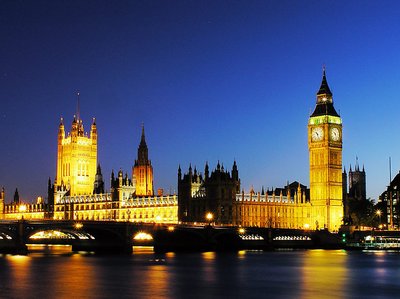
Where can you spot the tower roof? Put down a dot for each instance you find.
(324, 100)
(143, 138)
(324, 89)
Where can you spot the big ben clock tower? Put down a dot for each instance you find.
(325, 148)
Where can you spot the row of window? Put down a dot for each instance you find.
(83, 169)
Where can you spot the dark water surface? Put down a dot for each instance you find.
(246, 274)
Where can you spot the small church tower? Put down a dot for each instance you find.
(142, 171)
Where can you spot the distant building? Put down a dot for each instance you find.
(215, 194)
(390, 200)
(356, 186)
(357, 183)
(219, 193)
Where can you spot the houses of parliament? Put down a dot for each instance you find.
(78, 191)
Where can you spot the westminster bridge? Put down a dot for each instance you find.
(114, 236)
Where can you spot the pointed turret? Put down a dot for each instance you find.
(61, 130)
(324, 89)
(113, 183)
(235, 172)
(98, 182)
(179, 173)
(143, 152)
(16, 196)
(93, 131)
(206, 172)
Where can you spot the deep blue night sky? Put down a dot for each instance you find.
(211, 80)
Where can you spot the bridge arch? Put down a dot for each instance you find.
(62, 234)
(5, 236)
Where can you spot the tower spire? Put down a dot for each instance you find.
(143, 138)
(324, 88)
(78, 105)
(142, 150)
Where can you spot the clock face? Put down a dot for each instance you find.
(335, 134)
(317, 134)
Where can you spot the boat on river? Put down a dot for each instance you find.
(371, 242)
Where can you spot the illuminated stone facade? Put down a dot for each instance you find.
(2, 195)
(19, 210)
(287, 207)
(130, 199)
(119, 205)
(76, 158)
(218, 193)
(102, 207)
(325, 153)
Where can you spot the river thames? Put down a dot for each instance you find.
(58, 273)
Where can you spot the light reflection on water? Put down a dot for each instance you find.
(325, 269)
(247, 274)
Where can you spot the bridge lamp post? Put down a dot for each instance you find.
(209, 217)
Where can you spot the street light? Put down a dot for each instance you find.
(379, 213)
(209, 217)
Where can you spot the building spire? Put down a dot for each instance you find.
(143, 158)
(324, 88)
(78, 105)
(143, 138)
